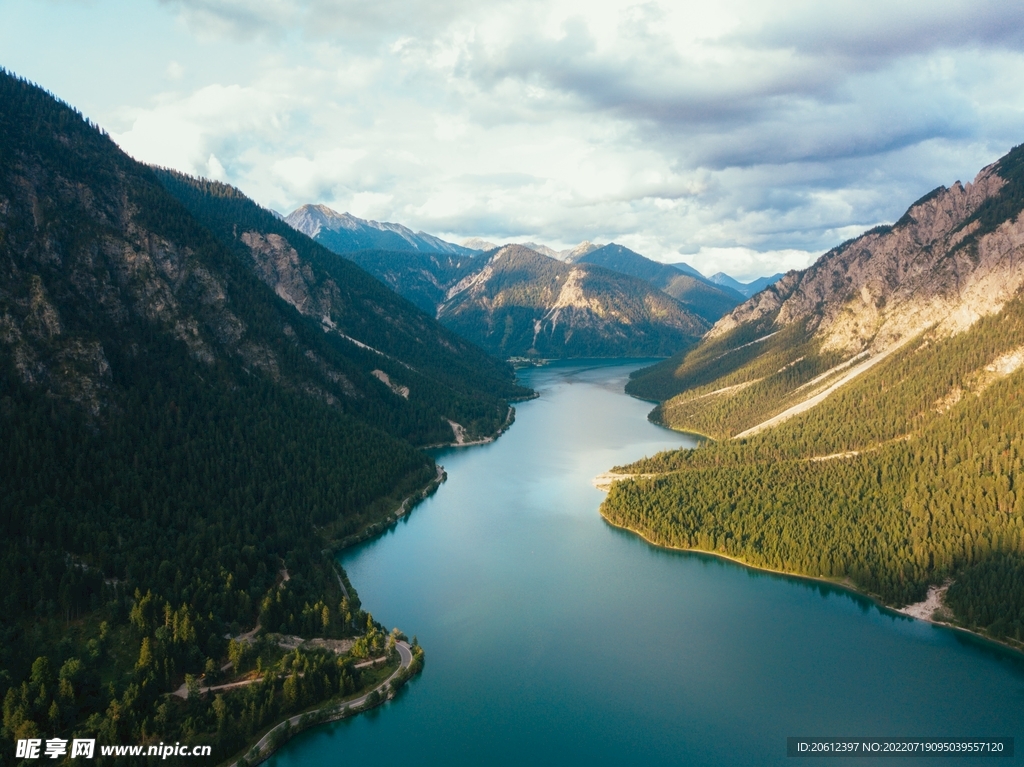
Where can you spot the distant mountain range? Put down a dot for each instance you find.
(568, 255)
(517, 302)
(696, 293)
(343, 233)
(746, 289)
(432, 273)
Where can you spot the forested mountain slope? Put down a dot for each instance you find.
(515, 302)
(698, 295)
(521, 303)
(196, 407)
(422, 278)
(444, 375)
(901, 469)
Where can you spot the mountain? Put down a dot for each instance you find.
(746, 289)
(344, 233)
(685, 268)
(575, 253)
(942, 266)
(476, 243)
(697, 295)
(868, 412)
(199, 405)
(600, 313)
(544, 250)
(568, 255)
(521, 303)
(422, 278)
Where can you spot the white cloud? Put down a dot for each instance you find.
(182, 132)
(214, 169)
(742, 134)
(746, 264)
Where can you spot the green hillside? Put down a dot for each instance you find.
(868, 417)
(880, 483)
(191, 425)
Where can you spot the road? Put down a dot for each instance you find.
(404, 653)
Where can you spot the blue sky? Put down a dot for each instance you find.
(737, 135)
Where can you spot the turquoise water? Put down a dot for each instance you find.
(555, 639)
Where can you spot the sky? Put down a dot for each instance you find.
(737, 136)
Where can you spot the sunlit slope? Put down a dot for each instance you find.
(902, 478)
(700, 296)
(952, 258)
(518, 302)
(874, 404)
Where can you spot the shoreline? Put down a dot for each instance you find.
(663, 425)
(306, 720)
(844, 584)
(510, 418)
(332, 712)
(384, 523)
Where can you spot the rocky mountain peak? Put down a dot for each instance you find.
(573, 254)
(946, 262)
(345, 233)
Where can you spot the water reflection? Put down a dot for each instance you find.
(554, 638)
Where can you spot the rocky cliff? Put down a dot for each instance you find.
(940, 265)
(956, 256)
(521, 303)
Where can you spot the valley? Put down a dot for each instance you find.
(199, 407)
(532, 302)
(214, 414)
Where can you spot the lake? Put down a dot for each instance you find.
(552, 638)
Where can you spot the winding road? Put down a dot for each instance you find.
(334, 710)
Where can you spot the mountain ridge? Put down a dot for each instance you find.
(745, 289)
(455, 288)
(935, 267)
(522, 303)
(695, 293)
(868, 418)
(343, 232)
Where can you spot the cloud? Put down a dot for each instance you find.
(238, 19)
(354, 22)
(184, 133)
(746, 264)
(735, 133)
(871, 32)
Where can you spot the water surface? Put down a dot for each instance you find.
(555, 639)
